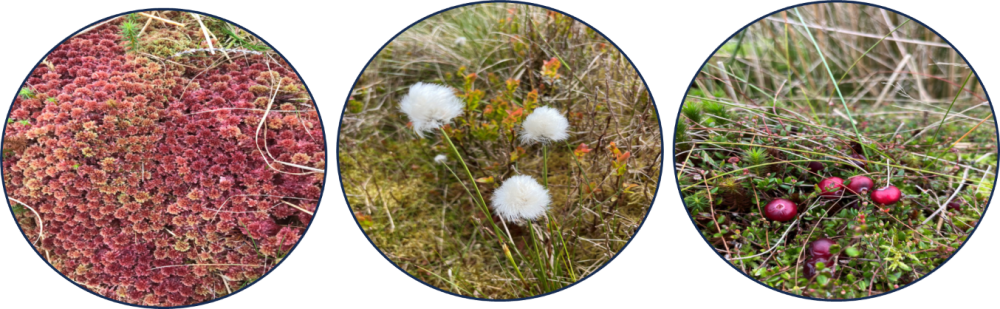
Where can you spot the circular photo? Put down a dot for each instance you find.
(836, 151)
(163, 158)
(499, 151)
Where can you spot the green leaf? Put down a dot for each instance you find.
(822, 279)
(853, 252)
(893, 277)
(835, 248)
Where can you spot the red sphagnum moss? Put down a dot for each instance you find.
(146, 171)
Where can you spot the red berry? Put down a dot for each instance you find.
(815, 167)
(810, 267)
(886, 196)
(860, 184)
(831, 187)
(955, 206)
(781, 210)
(862, 164)
(821, 248)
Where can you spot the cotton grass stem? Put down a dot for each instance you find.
(481, 200)
(558, 231)
(482, 205)
(540, 269)
(545, 166)
(505, 229)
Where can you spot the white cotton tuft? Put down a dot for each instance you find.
(545, 124)
(460, 41)
(430, 106)
(520, 197)
(440, 159)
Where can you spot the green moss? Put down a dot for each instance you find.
(26, 93)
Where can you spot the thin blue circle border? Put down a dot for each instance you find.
(658, 120)
(318, 114)
(677, 119)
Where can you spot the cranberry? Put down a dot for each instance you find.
(956, 206)
(862, 163)
(821, 248)
(860, 184)
(810, 267)
(815, 167)
(781, 210)
(831, 187)
(886, 196)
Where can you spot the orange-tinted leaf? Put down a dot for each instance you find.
(364, 220)
(624, 156)
(581, 150)
(614, 149)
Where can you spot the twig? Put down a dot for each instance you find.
(179, 265)
(225, 281)
(148, 21)
(861, 34)
(303, 210)
(945, 204)
(171, 232)
(892, 79)
(257, 135)
(204, 31)
(238, 108)
(41, 228)
(711, 206)
(167, 20)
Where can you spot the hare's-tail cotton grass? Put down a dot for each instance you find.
(544, 125)
(520, 197)
(440, 159)
(430, 106)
